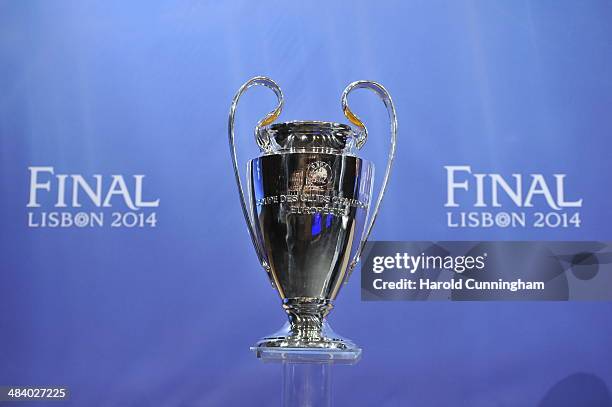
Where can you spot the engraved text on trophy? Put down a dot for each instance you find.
(310, 191)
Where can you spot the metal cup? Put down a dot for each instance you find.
(308, 212)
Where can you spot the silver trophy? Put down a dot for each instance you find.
(308, 212)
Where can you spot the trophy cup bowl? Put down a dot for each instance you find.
(308, 213)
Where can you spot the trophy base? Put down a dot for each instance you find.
(286, 346)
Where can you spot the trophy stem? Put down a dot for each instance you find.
(306, 316)
(307, 335)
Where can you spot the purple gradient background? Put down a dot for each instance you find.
(165, 316)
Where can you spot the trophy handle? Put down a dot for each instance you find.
(361, 139)
(263, 142)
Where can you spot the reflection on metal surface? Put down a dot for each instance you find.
(308, 212)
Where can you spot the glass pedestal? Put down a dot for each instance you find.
(307, 373)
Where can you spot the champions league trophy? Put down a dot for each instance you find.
(308, 213)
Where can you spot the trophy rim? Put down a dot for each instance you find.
(310, 135)
(312, 126)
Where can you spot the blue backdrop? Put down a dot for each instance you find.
(165, 316)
